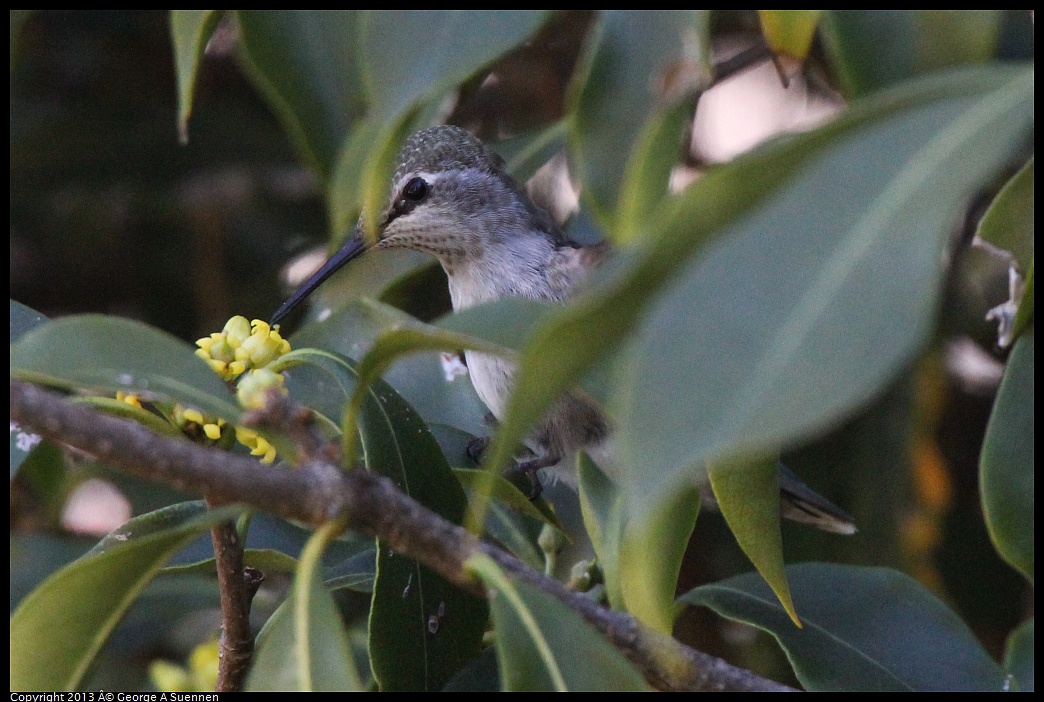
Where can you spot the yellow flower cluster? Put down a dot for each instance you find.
(200, 675)
(186, 416)
(241, 351)
(257, 444)
(241, 346)
(129, 399)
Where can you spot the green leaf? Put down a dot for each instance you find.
(412, 54)
(306, 63)
(626, 133)
(873, 49)
(526, 153)
(640, 561)
(865, 629)
(802, 313)
(190, 30)
(651, 558)
(602, 508)
(1006, 465)
(543, 645)
(747, 492)
(23, 319)
(789, 32)
(264, 559)
(111, 354)
(505, 492)
(420, 378)
(1018, 655)
(422, 628)
(354, 573)
(59, 628)
(304, 646)
(1008, 223)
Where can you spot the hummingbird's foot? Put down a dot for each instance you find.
(531, 469)
(526, 478)
(477, 447)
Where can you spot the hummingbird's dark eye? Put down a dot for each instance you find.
(416, 190)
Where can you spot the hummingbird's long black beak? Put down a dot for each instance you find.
(355, 246)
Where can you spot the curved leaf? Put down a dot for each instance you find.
(307, 65)
(190, 30)
(422, 628)
(111, 354)
(865, 629)
(818, 308)
(411, 54)
(1006, 467)
(304, 646)
(873, 49)
(639, 66)
(90, 595)
(1018, 655)
(747, 492)
(1008, 223)
(544, 646)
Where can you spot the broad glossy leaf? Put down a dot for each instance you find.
(307, 65)
(267, 560)
(304, 646)
(411, 54)
(423, 379)
(1008, 223)
(638, 66)
(354, 573)
(874, 49)
(651, 557)
(23, 319)
(865, 629)
(525, 154)
(1006, 467)
(796, 315)
(544, 646)
(110, 354)
(422, 628)
(190, 30)
(747, 492)
(59, 628)
(602, 507)
(1018, 655)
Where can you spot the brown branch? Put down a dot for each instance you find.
(236, 589)
(318, 492)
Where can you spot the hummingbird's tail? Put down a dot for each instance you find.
(800, 503)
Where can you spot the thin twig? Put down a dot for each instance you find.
(237, 641)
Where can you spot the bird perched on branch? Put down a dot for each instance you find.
(451, 196)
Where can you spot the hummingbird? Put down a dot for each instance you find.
(452, 197)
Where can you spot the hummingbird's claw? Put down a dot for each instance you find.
(525, 476)
(477, 447)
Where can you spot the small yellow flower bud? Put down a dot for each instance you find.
(213, 431)
(129, 398)
(254, 387)
(236, 330)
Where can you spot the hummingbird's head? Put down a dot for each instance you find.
(450, 196)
